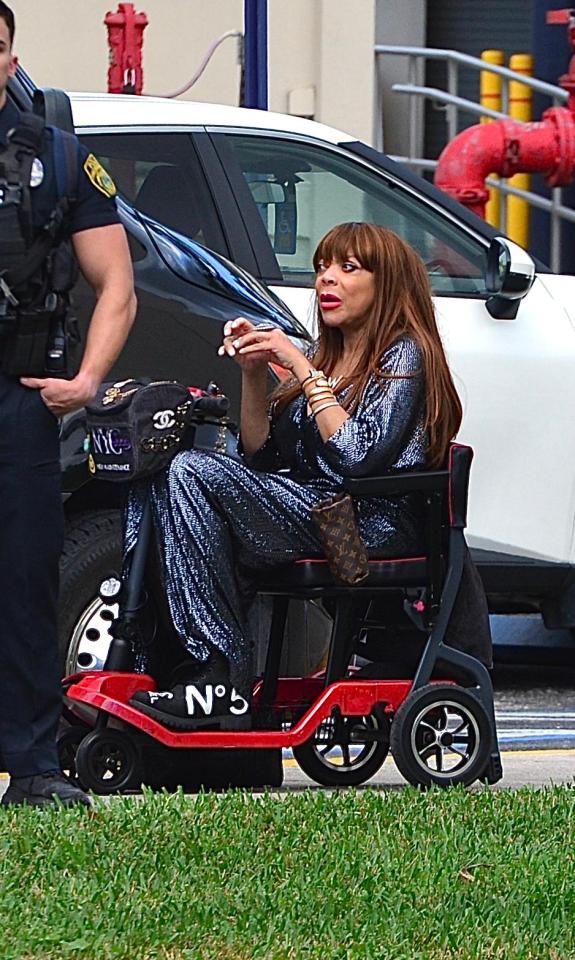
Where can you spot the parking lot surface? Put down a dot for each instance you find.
(521, 768)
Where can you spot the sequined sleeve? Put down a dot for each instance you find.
(370, 441)
(265, 460)
(269, 459)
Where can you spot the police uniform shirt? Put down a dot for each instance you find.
(94, 204)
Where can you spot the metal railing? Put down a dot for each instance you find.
(453, 104)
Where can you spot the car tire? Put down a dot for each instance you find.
(92, 550)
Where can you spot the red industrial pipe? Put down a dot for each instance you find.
(125, 40)
(506, 147)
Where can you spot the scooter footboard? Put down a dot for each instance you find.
(109, 693)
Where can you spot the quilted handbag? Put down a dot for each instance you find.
(136, 427)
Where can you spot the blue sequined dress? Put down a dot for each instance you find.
(219, 521)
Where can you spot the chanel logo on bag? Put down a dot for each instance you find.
(164, 419)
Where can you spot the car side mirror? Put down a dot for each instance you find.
(509, 276)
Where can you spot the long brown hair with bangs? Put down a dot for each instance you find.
(402, 307)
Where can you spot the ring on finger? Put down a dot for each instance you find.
(266, 326)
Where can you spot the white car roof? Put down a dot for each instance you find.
(117, 110)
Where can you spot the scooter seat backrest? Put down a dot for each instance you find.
(459, 464)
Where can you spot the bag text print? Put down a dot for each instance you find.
(110, 441)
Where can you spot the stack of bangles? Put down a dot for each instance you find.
(318, 393)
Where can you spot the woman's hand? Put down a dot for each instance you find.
(232, 330)
(251, 345)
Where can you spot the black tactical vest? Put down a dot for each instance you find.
(37, 267)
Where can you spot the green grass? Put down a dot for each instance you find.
(344, 875)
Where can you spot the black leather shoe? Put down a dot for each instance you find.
(44, 790)
(189, 706)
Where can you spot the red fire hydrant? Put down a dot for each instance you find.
(125, 40)
(506, 147)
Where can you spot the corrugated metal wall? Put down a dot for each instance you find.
(471, 26)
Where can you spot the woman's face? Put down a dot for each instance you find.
(345, 293)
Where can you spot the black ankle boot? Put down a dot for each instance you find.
(191, 670)
(203, 700)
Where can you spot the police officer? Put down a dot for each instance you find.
(33, 397)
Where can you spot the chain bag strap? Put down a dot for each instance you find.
(166, 442)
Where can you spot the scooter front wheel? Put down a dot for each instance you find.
(108, 761)
(68, 742)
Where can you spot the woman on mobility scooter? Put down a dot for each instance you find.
(375, 395)
(370, 411)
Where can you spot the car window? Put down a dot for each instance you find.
(161, 175)
(301, 190)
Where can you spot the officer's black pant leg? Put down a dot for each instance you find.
(31, 535)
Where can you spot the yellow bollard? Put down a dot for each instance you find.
(490, 86)
(520, 108)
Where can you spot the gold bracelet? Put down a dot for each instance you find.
(318, 383)
(315, 406)
(319, 392)
(313, 375)
(325, 406)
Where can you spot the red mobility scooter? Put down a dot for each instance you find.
(340, 723)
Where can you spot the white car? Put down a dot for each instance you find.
(261, 189)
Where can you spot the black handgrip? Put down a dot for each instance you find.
(212, 406)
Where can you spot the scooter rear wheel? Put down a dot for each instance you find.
(345, 751)
(108, 761)
(441, 734)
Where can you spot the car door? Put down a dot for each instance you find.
(515, 377)
(161, 174)
(171, 215)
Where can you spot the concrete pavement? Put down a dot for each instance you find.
(521, 768)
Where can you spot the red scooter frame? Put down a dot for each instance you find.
(87, 694)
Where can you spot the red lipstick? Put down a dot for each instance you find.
(328, 301)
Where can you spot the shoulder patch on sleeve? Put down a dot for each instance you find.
(98, 176)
